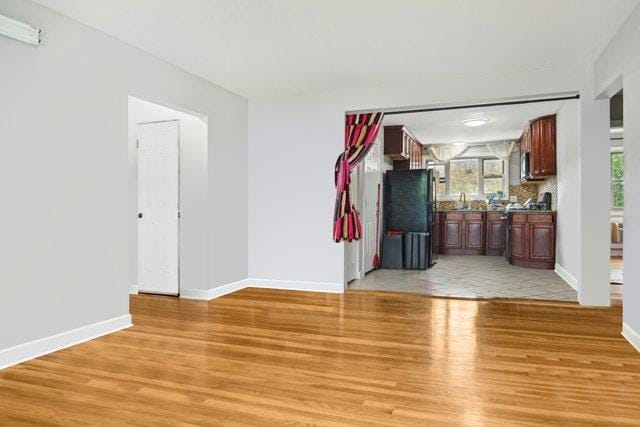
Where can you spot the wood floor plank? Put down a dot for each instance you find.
(267, 357)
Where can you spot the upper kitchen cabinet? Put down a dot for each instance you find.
(539, 140)
(405, 150)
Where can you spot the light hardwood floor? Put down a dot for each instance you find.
(262, 357)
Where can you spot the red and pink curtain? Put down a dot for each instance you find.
(360, 132)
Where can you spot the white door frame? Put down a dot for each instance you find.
(139, 207)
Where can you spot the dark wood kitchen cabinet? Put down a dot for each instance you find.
(462, 233)
(435, 233)
(539, 140)
(495, 233)
(396, 142)
(405, 150)
(532, 240)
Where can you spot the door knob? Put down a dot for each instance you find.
(140, 215)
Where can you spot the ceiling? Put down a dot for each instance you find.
(278, 47)
(442, 127)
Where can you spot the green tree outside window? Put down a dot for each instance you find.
(617, 180)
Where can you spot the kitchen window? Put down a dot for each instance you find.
(492, 175)
(464, 176)
(617, 180)
(478, 176)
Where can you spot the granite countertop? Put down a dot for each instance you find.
(531, 212)
(486, 210)
(466, 210)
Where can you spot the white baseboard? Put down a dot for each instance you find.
(630, 335)
(30, 350)
(208, 294)
(293, 285)
(133, 289)
(566, 276)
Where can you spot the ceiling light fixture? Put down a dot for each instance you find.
(20, 31)
(459, 144)
(474, 123)
(618, 129)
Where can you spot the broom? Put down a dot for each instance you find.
(376, 257)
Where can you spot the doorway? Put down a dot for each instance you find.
(616, 162)
(168, 178)
(461, 171)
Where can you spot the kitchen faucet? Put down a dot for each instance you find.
(463, 199)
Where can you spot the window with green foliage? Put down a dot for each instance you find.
(463, 176)
(472, 176)
(617, 180)
(493, 175)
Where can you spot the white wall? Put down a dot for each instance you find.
(594, 198)
(568, 164)
(631, 248)
(193, 191)
(619, 65)
(64, 171)
(293, 144)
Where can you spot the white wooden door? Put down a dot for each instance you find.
(352, 261)
(372, 177)
(158, 188)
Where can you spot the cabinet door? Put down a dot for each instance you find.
(547, 146)
(435, 233)
(517, 238)
(542, 242)
(413, 154)
(534, 148)
(495, 234)
(474, 234)
(452, 234)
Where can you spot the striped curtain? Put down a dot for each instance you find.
(360, 132)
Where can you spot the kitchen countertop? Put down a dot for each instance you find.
(486, 210)
(466, 210)
(531, 212)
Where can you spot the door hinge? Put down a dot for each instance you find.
(138, 144)
(178, 214)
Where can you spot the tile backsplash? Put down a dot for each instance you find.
(550, 185)
(448, 205)
(523, 192)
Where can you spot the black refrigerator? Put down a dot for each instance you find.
(409, 214)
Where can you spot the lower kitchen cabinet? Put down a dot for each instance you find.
(532, 240)
(495, 233)
(462, 233)
(435, 234)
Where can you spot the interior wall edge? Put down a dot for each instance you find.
(43, 346)
(289, 285)
(209, 294)
(295, 285)
(566, 276)
(632, 336)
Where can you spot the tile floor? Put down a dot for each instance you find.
(471, 277)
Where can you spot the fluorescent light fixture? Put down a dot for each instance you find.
(474, 123)
(618, 129)
(459, 144)
(20, 31)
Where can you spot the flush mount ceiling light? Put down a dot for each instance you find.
(20, 31)
(474, 123)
